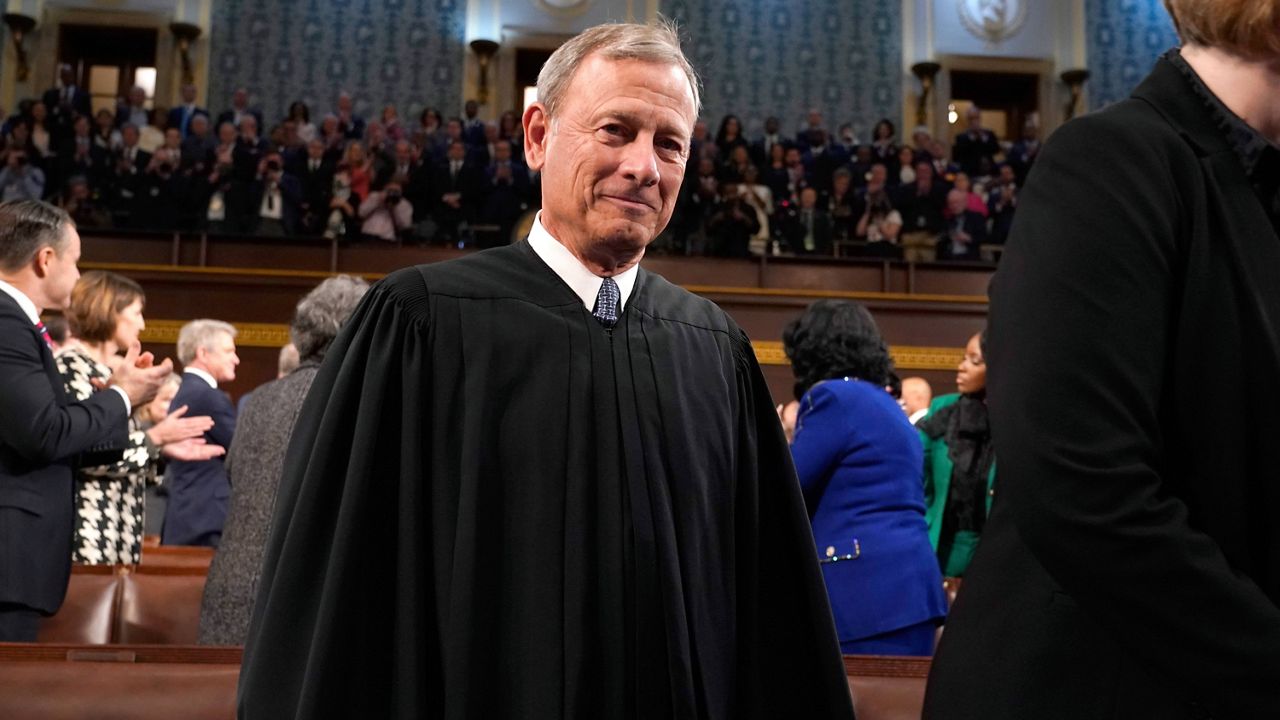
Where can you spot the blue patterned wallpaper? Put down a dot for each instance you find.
(1124, 38)
(406, 52)
(781, 57)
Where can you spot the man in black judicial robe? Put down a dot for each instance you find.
(541, 482)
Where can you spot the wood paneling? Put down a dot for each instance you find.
(190, 250)
(256, 283)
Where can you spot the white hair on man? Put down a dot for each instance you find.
(200, 334)
(658, 42)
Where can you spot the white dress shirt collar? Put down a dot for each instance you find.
(582, 281)
(203, 376)
(24, 302)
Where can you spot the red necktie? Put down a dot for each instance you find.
(44, 333)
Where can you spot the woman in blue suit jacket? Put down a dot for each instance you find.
(859, 462)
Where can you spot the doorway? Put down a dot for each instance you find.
(529, 62)
(109, 60)
(1007, 101)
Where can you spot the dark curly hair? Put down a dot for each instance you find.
(836, 338)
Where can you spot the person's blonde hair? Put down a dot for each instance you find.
(657, 42)
(1247, 27)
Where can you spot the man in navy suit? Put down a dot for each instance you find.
(965, 232)
(315, 177)
(976, 147)
(66, 101)
(198, 491)
(239, 110)
(457, 186)
(473, 129)
(181, 116)
(43, 435)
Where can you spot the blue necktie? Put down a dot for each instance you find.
(606, 310)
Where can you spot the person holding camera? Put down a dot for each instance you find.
(279, 198)
(733, 224)
(20, 180)
(167, 187)
(386, 213)
(881, 227)
(1002, 201)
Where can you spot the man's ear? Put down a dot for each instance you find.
(44, 256)
(537, 133)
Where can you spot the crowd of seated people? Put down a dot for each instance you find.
(336, 174)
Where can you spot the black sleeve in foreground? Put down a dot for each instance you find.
(36, 426)
(1082, 318)
(789, 662)
(343, 624)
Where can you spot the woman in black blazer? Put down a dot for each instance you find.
(1131, 565)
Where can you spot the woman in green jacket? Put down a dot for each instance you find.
(959, 463)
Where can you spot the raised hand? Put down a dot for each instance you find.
(176, 428)
(192, 450)
(139, 376)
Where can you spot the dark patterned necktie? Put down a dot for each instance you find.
(606, 310)
(44, 333)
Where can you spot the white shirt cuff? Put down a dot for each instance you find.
(128, 406)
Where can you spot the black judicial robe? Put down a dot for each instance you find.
(493, 507)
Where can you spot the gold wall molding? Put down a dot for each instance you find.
(905, 357)
(768, 352)
(267, 335)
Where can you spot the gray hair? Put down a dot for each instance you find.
(322, 313)
(26, 226)
(656, 43)
(200, 334)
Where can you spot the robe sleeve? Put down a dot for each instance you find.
(345, 622)
(788, 656)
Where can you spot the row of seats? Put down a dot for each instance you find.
(156, 602)
(139, 682)
(147, 604)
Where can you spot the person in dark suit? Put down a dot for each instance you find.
(128, 180)
(277, 197)
(506, 193)
(821, 160)
(859, 460)
(66, 102)
(807, 228)
(198, 147)
(315, 177)
(132, 109)
(965, 231)
(351, 125)
(246, 166)
(43, 435)
(1002, 201)
(1131, 564)
(975, 148)
(198, 491)
(456, 189)
(78, 155)
(762, 148)
(239, 110)
(732, 224)
(473, 126)
(1022, 155)
(180, 117)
